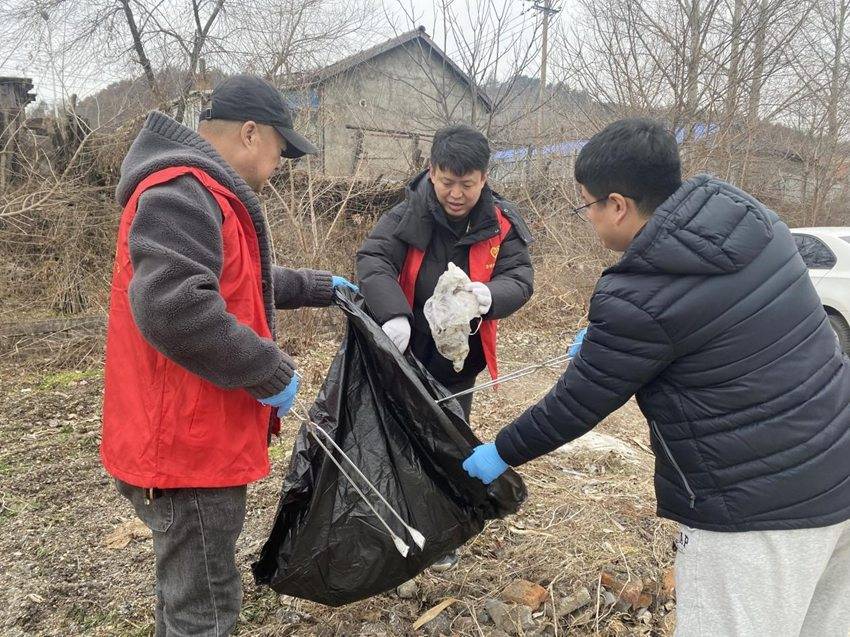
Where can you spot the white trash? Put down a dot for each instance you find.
(449, 312)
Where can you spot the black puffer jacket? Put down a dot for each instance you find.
(711, 320)
(419, 221)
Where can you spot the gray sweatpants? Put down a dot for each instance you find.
(763, 583)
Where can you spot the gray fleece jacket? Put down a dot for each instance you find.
(176, 249)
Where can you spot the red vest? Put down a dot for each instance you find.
(163, 426)
(482, 260)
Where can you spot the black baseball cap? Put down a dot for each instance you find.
(247, 98)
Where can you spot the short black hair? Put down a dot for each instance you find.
(637, 158)
(460, 149)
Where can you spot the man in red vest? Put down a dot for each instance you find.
(449, 214)
(193, 373)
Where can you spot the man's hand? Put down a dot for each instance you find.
(398, 329)
(485, 463)
(578, 339)
(341, 281)
(284, 400)
(482, 295)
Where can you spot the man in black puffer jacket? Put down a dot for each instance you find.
(711, 321)
(449, 212)
(449, 215)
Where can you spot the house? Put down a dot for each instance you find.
(14, 96)
(374, 113)
(778, 164)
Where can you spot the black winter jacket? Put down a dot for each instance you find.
(419, 221)
(711, 320)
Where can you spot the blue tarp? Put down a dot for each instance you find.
(568, 148)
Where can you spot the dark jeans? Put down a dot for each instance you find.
(198, 587)
(464, 401)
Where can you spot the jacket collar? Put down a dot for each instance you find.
(706, 227)
(424, 215)
(162, 143)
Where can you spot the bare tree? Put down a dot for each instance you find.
(824, 114)
(139, 47)
(152, 37)
(736, 36)
(279, 40)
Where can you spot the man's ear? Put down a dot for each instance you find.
(249, 134)
(621, 207)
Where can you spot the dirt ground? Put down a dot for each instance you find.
(587, 512)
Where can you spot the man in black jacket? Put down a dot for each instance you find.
(447, 209)
(449, 214)
(710, 319)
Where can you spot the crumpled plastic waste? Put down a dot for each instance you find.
(449, 312)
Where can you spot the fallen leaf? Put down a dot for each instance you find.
(668, 584)
(432, 613)
(123, 534)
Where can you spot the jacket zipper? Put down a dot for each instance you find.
(690, 491)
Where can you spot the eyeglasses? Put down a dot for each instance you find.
(580, 211)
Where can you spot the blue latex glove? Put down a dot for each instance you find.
(341, 281)
(485, 463)
(284, 400)
(572, 352)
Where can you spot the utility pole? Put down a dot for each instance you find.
(547, 9)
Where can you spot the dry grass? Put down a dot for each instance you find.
(56, 258)
(586, 513)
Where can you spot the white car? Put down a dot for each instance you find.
(826, 252)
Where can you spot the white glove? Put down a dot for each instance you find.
(398, 329)
(482, 295)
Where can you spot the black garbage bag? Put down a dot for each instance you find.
(327, 544)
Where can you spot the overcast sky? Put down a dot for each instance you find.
(72, 73)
